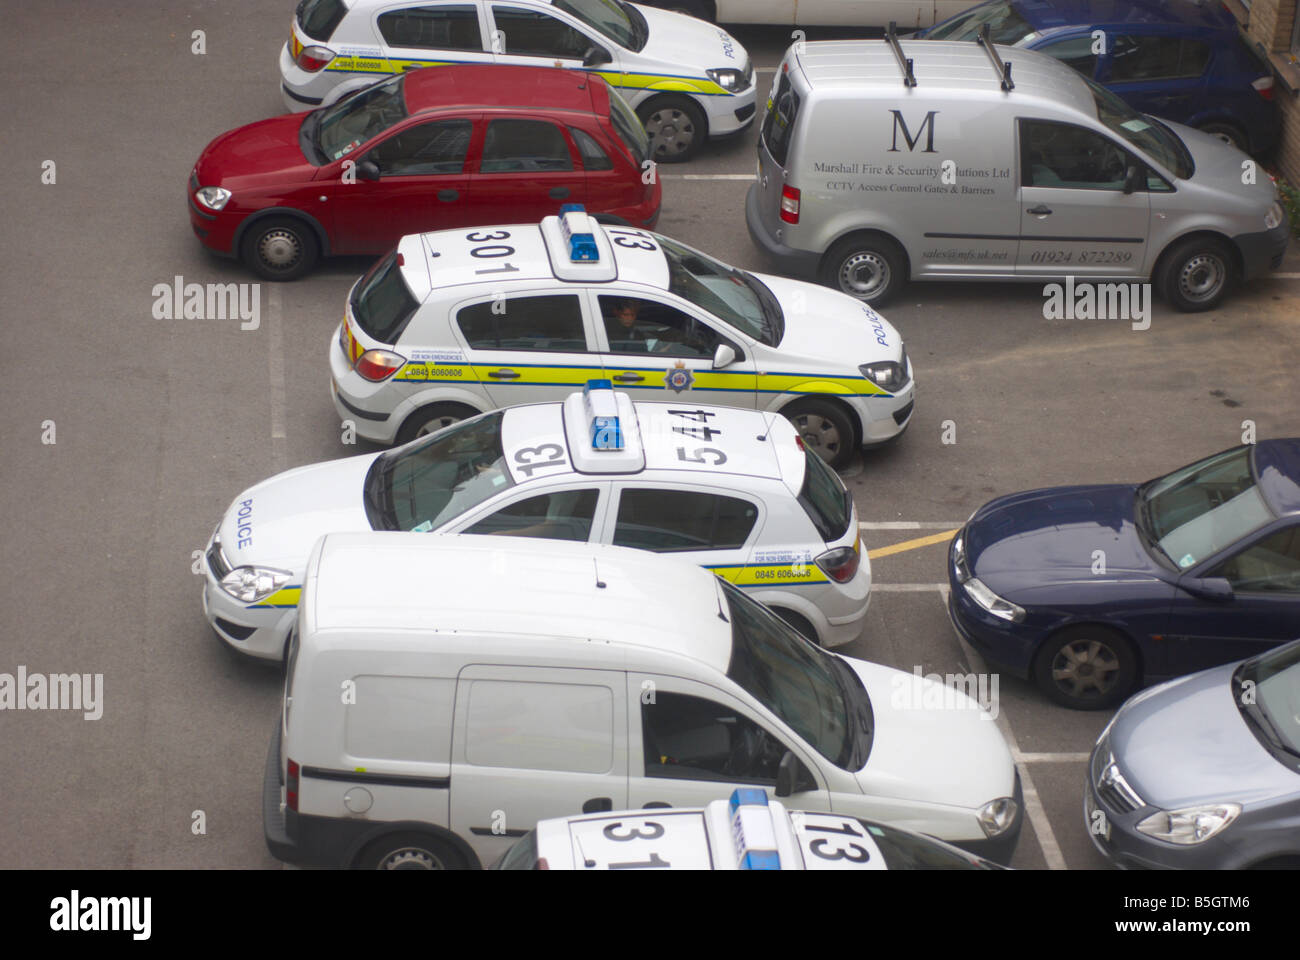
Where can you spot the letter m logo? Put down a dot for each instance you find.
(927, 127)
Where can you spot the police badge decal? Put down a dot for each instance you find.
(679, 378)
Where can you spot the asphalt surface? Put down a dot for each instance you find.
(159, 423)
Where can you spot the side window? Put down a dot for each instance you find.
(533, 34)
(1271, 566)
(668, 520)
(561, 515)
(690, 738)
(1140, 57)
(430, 148)
(515, 146)
(549, 323)
(593, 155)
(1074, 52)
(540, 726)
(445, 27)
(633, 325)
(1065, 156)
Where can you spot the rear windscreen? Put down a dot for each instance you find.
(381, 304)
(318, 18)
(778, 125)
(824, 498)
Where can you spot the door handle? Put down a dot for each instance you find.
(629, 378)
(447, 196)
(598, 805)
(656, 805)
(503, 374)
(1041, 210)
(559, 193)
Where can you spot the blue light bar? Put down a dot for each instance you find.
(574, 225)
(752, 830)
(602, 415)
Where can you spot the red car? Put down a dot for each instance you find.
(438, 148)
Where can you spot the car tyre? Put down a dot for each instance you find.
(410, 851)
(432, 418)
(1086, 667)
(869, 267)
(1229, 133)
(676, 127)
(280, 248)
(799, 623)
(1196, 274)
(825, 428)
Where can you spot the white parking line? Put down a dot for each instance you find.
(1052, 757)
(275, 360)
(909, 588)
(1283, 276)
(707, 176)
(905, 525)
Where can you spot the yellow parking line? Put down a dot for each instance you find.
(911, 544)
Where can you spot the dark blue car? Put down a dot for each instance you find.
(1091, 591)
(1175, 59)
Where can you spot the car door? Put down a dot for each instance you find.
(425, 34)
(540, 38)
(656, 350)
(1264, 610)
(1075, 218)
(691, 743)
(1156, 73)
(571, 511)
(531, 743)
(422, 185)
(527, 170)
(528, 346)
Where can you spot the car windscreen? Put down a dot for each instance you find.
(606, 17)
(1145, 133)
(381, 302)
(629, 129)
(1005, 24)
(1196, 511)
(824, 498)
(1268, 696)
(426, 483)
(790, 676)
(318, 18)
(778, 123)
(725, 292)
(348, 124)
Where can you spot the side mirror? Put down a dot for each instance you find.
(1217, 589)
(724, 356)
(1134, 177)
(368, 170)
(787, 774)
(595, 56)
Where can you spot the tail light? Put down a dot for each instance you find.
(291, 787)
(1264, 87)
(840, 564)
(789, 203)
(314, 58)
(378, 365)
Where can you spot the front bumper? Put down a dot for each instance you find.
(987, 634)
(731, 113)
(884, 418)
(801, 264)
(1002, 848)
(1263, 251)
(256, 632)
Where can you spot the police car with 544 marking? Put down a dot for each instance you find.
(457, 322)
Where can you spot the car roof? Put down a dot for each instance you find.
(394, 581)
(1044, 15)
(954, 67)
(491, 85)
(1277, 466)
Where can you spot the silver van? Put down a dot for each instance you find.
(881, 161)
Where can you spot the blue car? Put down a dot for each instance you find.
(1091, 591)
(1176, 59)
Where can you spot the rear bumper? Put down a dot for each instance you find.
(1263, 251)
(796, 263)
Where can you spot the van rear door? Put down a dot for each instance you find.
(775, 138)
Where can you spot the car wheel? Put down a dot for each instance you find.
(431, 419)
(676, 127)
(799, 623)
(410, 851)
(870, 267)
(280, 248)
(825, 428)
(1229, 133)
(1196, 274)
(1086, 668)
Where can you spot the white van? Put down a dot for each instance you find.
(819, 13)
(881, 161)
(444, 694)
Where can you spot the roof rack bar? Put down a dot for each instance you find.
(904, 63)
(1001, 67)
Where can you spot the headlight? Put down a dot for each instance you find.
(991, 602)
(997, 816)
(959, 557)
(1274, 217)
(889, 375)
(1191, 824)
(250, 584)
(214, 198)
(729, 80)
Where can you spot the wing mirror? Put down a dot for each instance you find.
(1217, 589)
(724, 356)
(787, 774)
(368, 170)
(595, 56)
(1134, 177)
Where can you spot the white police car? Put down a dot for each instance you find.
(735, 491)
(456, 322)
(746, 832)
(687, 80)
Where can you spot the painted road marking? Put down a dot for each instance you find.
(1052, 757)
(707, 176)
(911, 544)
(275, 362)
(908, 587)
(907, 525)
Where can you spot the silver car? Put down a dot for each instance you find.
(1203, 772)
